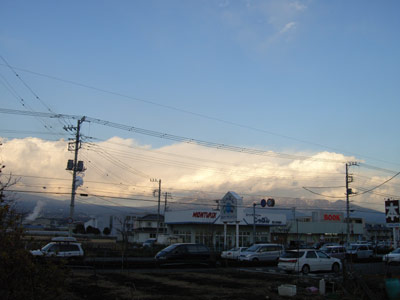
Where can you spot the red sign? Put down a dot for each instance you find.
(204, 214)
(332, 217)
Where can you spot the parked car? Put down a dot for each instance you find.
(61, 247)
(335, 251)
(298, 245)
(262, 252)
(392, 257)
(308, 260)
(326, 245)
(149, 243)
(185, 253)
(233, 253)
(360, 251)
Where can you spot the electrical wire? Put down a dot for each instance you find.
(192, 113)
(175, 138)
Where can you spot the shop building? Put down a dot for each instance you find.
(232, 224)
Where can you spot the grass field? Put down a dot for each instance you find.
(211, 284)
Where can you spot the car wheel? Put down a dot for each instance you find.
(335, 268)
(305, 269)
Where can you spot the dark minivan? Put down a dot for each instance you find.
(185, 253)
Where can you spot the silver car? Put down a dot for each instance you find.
(335, 251)
(262, 252)
(360, 251)
(61, 247)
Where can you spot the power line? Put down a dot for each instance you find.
(190, 112)
(175, 138)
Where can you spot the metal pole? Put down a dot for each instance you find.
(237, 234)
(158, 210)
(347, 206)
(225, 229)
(254, 223)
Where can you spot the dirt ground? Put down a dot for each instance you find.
(212, 284)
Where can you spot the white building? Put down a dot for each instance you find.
(232, 224)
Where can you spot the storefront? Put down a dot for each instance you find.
(242, 227)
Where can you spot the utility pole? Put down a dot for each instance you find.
(167, 195)
(75, 169)
(254, 222)
(349, 191)
(159, 201)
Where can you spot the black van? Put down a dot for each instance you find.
(185, 253)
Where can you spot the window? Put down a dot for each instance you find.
(202, 249)
(293, 254)
(54, 248)
(322, 254)
(311, 254)
(191, 248)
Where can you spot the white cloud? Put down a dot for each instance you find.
(122, 168)
(262, 24)
(288, 27)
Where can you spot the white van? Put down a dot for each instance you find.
(262, 252)
(61, 247)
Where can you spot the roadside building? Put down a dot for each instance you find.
(223, 228)
(321, 226)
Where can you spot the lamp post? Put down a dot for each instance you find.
(254, 222)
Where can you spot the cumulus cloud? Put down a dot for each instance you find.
(123, 168)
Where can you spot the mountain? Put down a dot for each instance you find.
(39, 206)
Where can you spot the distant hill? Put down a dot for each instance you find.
(36, 206)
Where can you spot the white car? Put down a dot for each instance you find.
(233, 253)
(149, 243)
(308, 260)
(61, 247)
(392, 257)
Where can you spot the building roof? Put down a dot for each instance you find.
(151, 217)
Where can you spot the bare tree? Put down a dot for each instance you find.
(21, 277)
(125, 231)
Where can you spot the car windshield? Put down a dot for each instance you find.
(170, 248)
(253, 248)
(45, 248)
(396, 251)
(293, 254)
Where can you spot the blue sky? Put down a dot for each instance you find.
(306, 76)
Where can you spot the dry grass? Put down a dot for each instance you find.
(215, 284)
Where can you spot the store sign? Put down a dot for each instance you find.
(333, 217)
(229, 207)
(392, 212)
(204, 214)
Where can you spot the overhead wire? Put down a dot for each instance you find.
(176, 138)
(35, 95)
(192, 113)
